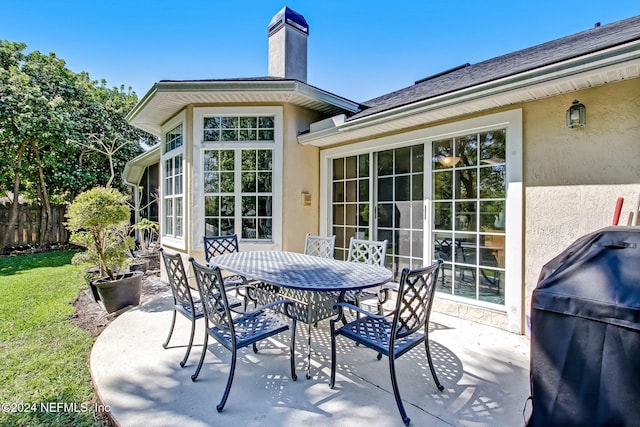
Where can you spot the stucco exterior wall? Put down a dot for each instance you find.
(573, 177)
(301, 175)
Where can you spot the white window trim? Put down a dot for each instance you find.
(172, 241)
(512, 121)
(199, 145)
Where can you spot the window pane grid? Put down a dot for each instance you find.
(468, 211)
(238, 188)
(238, 128)
(173, 139)
(350, 201)
(173, 189)
(400, 206)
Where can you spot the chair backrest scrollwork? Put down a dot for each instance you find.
(415, 298)
(367, 251)
(214, 299)
(319, 246)
(219, 245)
(177, 278)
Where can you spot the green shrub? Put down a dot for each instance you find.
(99, 220)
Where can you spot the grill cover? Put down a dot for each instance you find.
(585, 333)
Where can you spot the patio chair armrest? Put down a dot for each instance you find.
(237, 286)
(385, 292)
(389, 287)
(269, 305)
(357, 309)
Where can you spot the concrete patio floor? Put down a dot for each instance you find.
(485, 372)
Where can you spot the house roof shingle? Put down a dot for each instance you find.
(573, 46)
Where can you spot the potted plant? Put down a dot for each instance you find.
(147, 230)
(98, 219)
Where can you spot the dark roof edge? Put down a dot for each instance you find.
(442, 73)
(372, 102)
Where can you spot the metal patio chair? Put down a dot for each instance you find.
(220, 245)
(234, 329)
(183, 301)
(368, 252)
(399, 331)
(319, 246)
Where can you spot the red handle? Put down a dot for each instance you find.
(616, 214)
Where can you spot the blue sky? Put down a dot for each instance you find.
(356, 49)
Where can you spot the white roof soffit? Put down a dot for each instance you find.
(616, 64)
(166, 98)
(134, 168)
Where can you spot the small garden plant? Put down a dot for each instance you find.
(147, 229)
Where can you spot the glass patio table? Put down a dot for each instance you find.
(313, 283)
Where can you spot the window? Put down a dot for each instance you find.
(238, 179)
(468, 208)
(232, 128)
(468, 214)
(173, 139)
(398, 199)
(400, 206)
(472, 205)
(351, 205)
(173, 184)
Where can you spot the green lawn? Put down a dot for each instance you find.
(44, 357)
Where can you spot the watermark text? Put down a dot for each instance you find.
(53, 407)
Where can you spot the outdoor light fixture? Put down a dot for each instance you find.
(448, 160)
(576, 115)
(305, 197)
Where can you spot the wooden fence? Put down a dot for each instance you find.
(28, 230)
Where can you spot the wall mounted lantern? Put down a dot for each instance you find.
(447, 160)
(576, 115)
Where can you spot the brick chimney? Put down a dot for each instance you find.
(288, 32)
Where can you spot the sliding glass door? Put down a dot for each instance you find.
(384, 202)
(381, 195)
(399, 198)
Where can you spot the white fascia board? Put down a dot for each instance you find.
(134, 168)
(327, 97)
(140, 106)
(165, 99)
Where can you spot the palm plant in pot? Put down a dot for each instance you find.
(98, 219)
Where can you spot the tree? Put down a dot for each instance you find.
(22, 113)
(106, 131)
(47, 115)
(39, 93)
